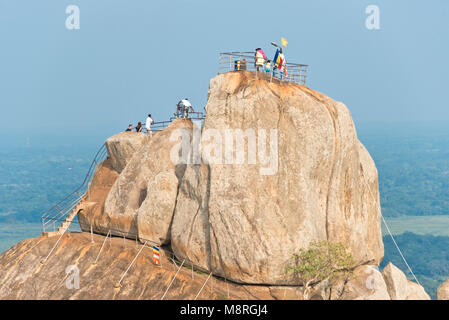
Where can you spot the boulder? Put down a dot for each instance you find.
(443, 291)
(244, 219)
(141, 202)
(123, 146)
(416, 292)
(155, 214)
(396, 281)
(190, 233)
(367, 284)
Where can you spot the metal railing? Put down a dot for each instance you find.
(64, 207)
(161, 125)
(191, 116)
(239, 61)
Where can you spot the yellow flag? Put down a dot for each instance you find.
(284, 42)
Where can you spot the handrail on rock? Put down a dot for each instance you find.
(240, 61)
(64, 207)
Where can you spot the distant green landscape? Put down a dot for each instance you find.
(424, 241)
(413, 165)
(421, 225)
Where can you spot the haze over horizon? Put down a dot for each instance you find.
(130, 59)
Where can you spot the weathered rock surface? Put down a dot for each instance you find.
(443, 291)
(243, 221)
(123, 146)
(22, 276)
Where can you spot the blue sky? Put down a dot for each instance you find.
(130, 58)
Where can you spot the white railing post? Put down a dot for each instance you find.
(197, 295)
(124, 274)
(43, 261)
(171, 282)
(96, 260)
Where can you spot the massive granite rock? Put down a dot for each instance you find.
(302, 175)
(245, 220)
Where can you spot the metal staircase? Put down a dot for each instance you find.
(64, 226)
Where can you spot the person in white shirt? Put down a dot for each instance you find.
(187, 107)
(148, 124)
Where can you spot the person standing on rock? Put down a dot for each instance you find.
(148, 124)
(130, 128)
(186, 107)
(181, 108)
(260, 59)
(139, 127)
